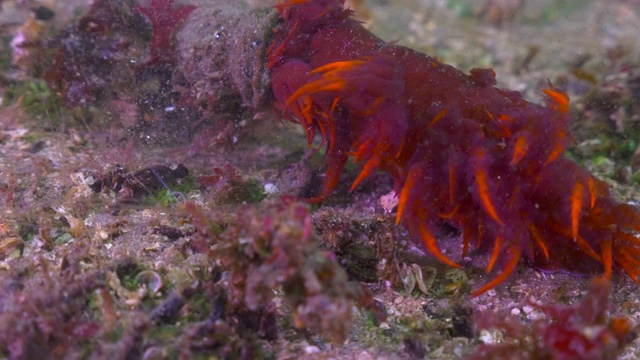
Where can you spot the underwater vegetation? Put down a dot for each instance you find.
(581, 331)
(110, 254)
(278, 250)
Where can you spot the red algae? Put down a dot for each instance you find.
(460, 150)
(581, 331)
(165, 20)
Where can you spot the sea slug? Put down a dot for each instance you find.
(459, 149)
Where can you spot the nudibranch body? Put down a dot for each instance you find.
(459, 149)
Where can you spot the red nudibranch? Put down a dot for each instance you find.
(459, 149)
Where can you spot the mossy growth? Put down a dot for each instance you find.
(35, 97)
(635, 178)
(461, 8)
(127, 270)
(560, 10)
(250, 191)
(167, 197)
(227, 185)
(5, 53)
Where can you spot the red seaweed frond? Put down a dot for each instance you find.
(165, 20)
(582, 331)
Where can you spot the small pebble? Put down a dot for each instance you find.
(311, 349)
(270, 189)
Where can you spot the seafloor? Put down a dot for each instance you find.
(87, 274)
